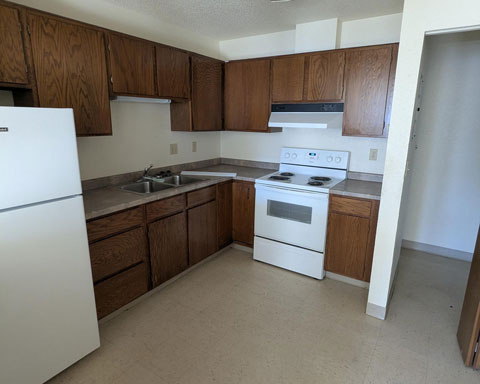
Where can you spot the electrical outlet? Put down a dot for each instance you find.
(173, 149)
(373, 154)
(194, 146)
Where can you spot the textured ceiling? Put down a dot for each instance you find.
(228, 19)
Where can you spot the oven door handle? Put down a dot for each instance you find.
(292, 191)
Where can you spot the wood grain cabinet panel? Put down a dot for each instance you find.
(288, 78)
(13, 67)
(165, 207)
(351, 230)
(168, 247)
(71, 72)
(113, 224)
(117, 253)
(202, 232)
(207, 94)
(173, 72)
(132, 66)
(114, 293)
(224, 214)
(243, 212)
(367, 74)
(201, 196)
(247, 95)
(324, 76)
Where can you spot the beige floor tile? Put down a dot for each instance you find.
(234, 320)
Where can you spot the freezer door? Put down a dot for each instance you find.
(47, 307)
(38, 156)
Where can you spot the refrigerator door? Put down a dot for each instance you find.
(38, 156)
(48, 319)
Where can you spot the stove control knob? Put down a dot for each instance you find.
(338, 159)
(329, 159)
(294, 156)
(287, 155)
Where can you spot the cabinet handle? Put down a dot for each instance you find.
(111, 79)
(248, 194)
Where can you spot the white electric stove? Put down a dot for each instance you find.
(291, 209)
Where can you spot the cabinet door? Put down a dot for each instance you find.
(367, 73)
(71, 72)
(324, 76)
(224, 214)
(13, 68)
(207, 94)
(168, 247)
(247, 95)
(243, 212)
(202, 231)
(132, 66)
(346, 249)
(173, 72)
(288, 78)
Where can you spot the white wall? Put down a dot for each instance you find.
(141, 136)
(419, 17)
(266, 147)
(443, 200)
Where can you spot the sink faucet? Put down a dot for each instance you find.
(145, 172)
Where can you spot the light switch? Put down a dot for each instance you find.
(194, 146)
(173, 149)
(373, 154)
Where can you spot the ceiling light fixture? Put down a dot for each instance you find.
(280, 1)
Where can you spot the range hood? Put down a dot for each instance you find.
(131, 99)
(313, 115)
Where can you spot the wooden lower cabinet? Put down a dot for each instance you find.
(168, 247)
(243, 212)
(202, 231)
(113, 293)
(224, 214)
(351, 231)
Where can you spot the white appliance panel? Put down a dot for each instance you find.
(38, 156)
(293, 217)
(48, 319)
(289, 257)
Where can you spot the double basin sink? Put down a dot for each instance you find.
(160, 184)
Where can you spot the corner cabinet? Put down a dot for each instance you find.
(351, 230)
(369, 78)
(71, 71)
(173, 72)
(247, 95)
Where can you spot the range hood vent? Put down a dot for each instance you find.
(131, 99)
(313, 115)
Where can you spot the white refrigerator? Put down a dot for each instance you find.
(47, 307)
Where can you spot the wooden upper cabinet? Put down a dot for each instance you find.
(132, 66)
(173, 72)
(207, 94)
(13, 68)
(247, 95)
(288, 78)
(367, 76)
(324, 76)
(71, 71)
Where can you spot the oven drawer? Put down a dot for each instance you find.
(291, 216)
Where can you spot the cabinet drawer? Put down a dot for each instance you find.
(116, 253)
(115, 223)
(121, 289)
(165, 207)
(350, 206)
(201, 196)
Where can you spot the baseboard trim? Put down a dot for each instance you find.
(436, 250)
(347, 280)
(242, 247)
(376, 311)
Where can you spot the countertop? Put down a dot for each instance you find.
(358, 188)
(107, 200)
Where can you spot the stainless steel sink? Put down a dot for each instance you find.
(179, 180)
(146, 187)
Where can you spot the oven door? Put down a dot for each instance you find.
(291, 216)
